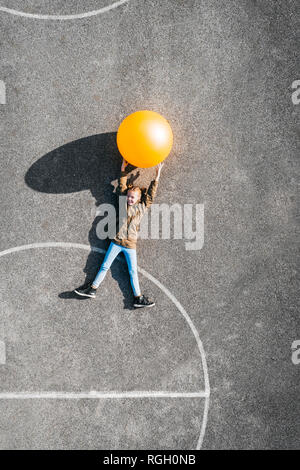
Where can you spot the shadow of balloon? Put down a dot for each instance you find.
(89, 163)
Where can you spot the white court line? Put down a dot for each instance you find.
(94, 394)
(64, 17)
(206, 392)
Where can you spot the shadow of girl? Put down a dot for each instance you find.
(89, 163)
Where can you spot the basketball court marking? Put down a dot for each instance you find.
(126, 394)
(64, 17)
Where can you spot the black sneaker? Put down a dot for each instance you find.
(86, 291)
(142, 301)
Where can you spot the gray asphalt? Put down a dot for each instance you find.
(221, 73)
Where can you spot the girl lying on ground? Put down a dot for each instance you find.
(125, 240)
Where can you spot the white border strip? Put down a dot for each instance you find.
(94, 394)
(64, 17)
(205, 394)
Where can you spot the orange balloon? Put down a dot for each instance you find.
(144, 138)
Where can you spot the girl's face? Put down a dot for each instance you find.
(132, 197)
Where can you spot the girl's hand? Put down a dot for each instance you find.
(124, 165)
(158, 169)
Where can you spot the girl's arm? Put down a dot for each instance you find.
(150, 195)
(122, 183)
(124, 165)
(158, 170)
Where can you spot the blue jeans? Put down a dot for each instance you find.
(111, 254)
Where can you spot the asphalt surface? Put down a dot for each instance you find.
(221, 73)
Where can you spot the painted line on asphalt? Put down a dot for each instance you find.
(64, 17)
(206, 392)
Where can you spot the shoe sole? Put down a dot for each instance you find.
(85, 295)
(143, 306)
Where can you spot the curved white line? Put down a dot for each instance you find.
(204, 422)
(206, 392)
(64, 17)
(199, 344)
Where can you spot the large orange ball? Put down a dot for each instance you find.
(144, 138)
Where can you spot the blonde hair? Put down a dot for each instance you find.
(141, 191)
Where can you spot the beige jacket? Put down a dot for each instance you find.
(129, 225)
